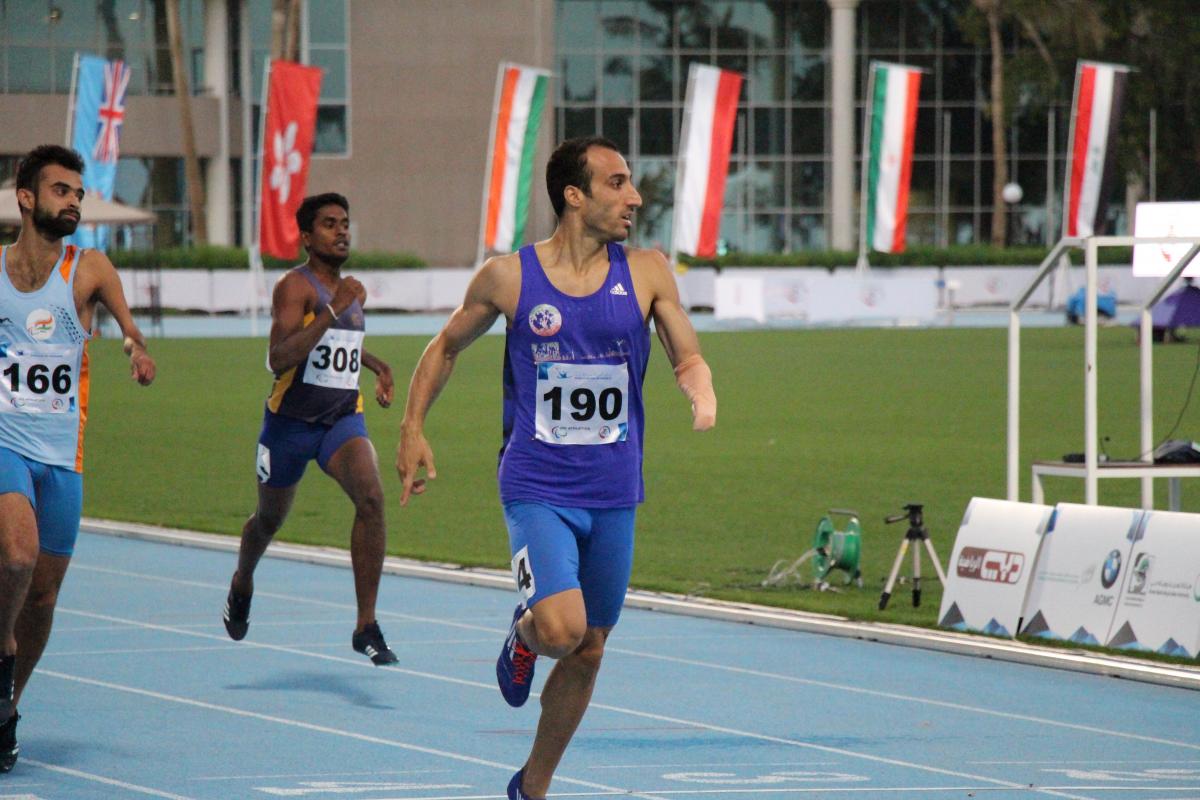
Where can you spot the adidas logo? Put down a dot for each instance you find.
(618, 289)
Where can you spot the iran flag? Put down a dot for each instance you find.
(710, 108)
(287, 144)
(1095, 111)
(516, 118)
(887, 155)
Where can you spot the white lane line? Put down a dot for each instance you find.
(925, 701)
(309, 726)
(91, 776)
(614, 709)
(705, 664)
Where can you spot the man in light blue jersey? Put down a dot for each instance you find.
(48, 298)
(578, 308)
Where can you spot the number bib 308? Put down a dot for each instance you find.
(582, 403)
(336, 360)
(37, 379)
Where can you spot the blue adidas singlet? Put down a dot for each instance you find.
(43, 367)
(573, 371)
(324, 387)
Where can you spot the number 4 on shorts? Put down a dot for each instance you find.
(523, 574)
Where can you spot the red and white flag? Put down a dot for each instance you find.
(709, 111)
(288, 133)
(1095, 112)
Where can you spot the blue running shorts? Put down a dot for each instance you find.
(286, 445)
(555, 549)
(56, 494)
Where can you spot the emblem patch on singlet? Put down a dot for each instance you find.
(545, 320)
(40, 324)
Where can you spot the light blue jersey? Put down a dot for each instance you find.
(43, 367)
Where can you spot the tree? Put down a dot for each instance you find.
(191, 160)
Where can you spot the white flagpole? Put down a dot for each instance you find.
(71, 99)
(489, 167)
(257, 279)
(868, 105)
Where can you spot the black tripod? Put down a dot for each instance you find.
(916, 533)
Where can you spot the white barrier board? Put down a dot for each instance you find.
(1077, 579)
(991, 564)
(1164, 219)
(1159, 608)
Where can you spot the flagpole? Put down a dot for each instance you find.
(489, 166)
(71, 99)
(869, 104)
(256, 265)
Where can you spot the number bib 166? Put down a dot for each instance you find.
(582, 403)
(37, 379)
(336, 360)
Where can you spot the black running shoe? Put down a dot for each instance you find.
(237, 614)
(9, 749)
(369, 641)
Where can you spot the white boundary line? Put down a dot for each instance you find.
(907, 636)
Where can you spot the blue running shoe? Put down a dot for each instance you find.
(514, 787)
(514, 667)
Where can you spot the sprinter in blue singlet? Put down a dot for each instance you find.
(48, 297)
(577, 307)
(315, 411)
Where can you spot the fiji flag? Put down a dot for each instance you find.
(99, 104)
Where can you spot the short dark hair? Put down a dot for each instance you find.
(307, 212)
(568, 167)
(31, 165)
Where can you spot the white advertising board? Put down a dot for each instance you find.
(990, 567)
(1159, 608)
(738, 298)
(1164, 219)
(1076, 581)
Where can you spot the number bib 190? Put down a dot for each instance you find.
(37, 379)
(335, 362)
(582, 403)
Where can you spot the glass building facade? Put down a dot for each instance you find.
(622, 70)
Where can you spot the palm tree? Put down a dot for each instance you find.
(191, 160)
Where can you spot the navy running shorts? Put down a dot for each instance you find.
(286, 445)
(555, 549)
(56, 494)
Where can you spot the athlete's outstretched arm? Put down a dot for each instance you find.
(108, 288)
(384, 387)
(468, 322)
(681, 344)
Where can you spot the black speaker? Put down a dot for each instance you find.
(1177, 451)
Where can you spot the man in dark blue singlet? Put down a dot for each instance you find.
(315, 411)
(578, 307)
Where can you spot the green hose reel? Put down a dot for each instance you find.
(834, 549)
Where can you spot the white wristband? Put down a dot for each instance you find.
(331, 311)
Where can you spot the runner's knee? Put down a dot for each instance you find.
(559, 637)
(369, 504)
(18, 552)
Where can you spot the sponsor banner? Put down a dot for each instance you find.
(1164, 219)
(1076, 583)
(1159, 608)
(816, 297)
(991, 564)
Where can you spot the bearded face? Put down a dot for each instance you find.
(55, 225)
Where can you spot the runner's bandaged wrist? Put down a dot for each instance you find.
(695, 381)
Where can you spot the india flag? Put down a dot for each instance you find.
(1099, 90)
(520, 97)
(887, 155)
(710, 108)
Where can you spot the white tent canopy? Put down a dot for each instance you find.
(96, 210)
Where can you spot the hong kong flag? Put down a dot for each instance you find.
(287, 145)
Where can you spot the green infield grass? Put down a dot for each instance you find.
(866, 419)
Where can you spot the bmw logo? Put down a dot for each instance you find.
(1111, 570)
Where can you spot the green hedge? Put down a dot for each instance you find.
(216, 257)
(960, 256)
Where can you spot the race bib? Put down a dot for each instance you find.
(336, 360)
(582, 403)
(38, 379)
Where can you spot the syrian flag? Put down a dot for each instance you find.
(709, 111)
(287, 144)
(887, 155)
(516, 118)
(1095, 112)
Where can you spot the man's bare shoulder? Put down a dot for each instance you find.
(94, 262)
(646, 258)
(499, 273)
